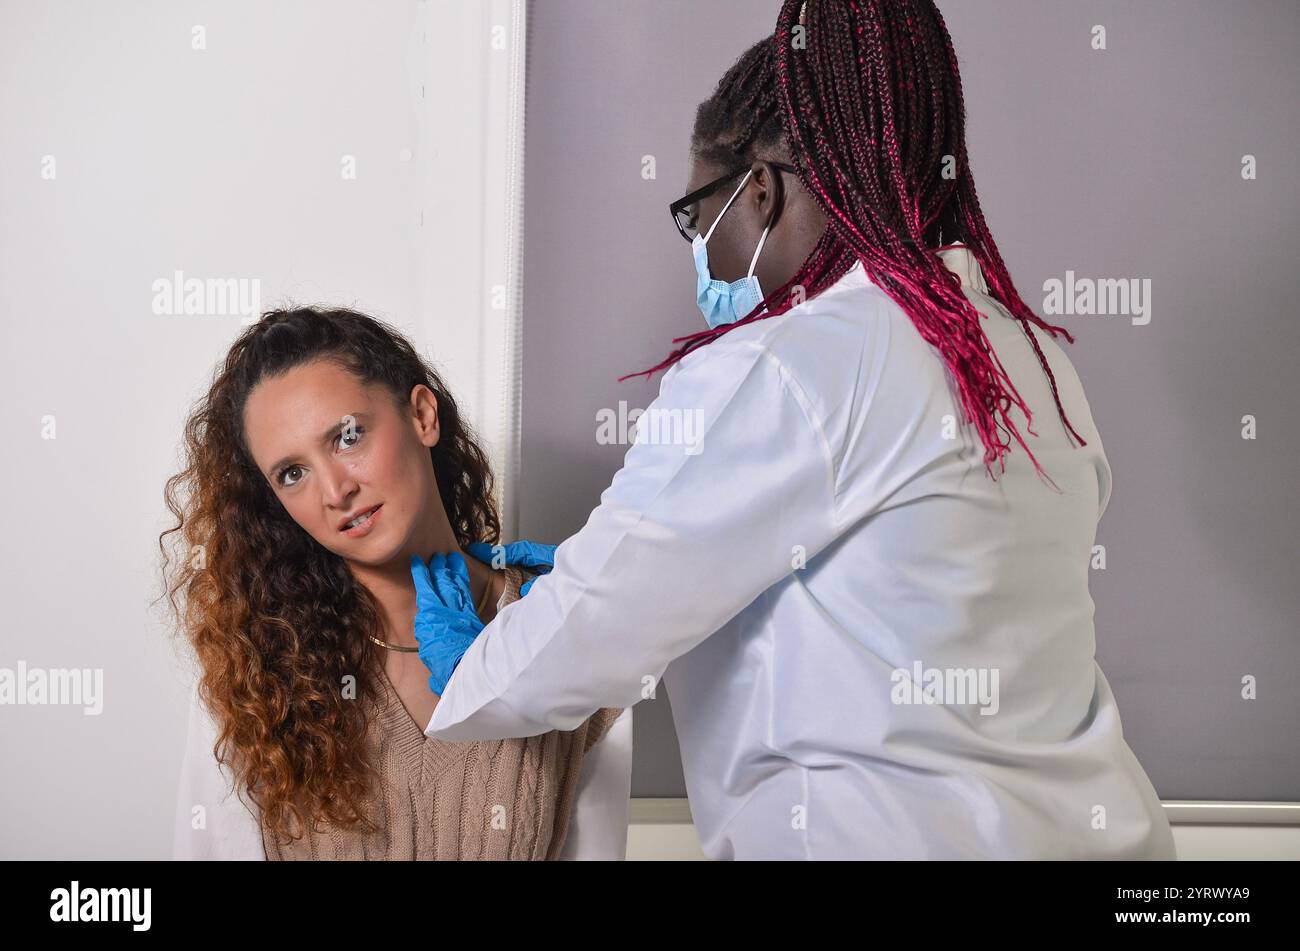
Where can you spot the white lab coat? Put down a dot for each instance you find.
(837, 525)
(597, 825)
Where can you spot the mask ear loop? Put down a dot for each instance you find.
(766, 231)
(759, 250)
(743, 182)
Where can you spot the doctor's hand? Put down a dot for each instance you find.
(536, 556)
(445, 620)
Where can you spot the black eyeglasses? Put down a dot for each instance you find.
(686, 211)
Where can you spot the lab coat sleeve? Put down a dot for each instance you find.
(688, 534)
(598, 823)
(230, 828)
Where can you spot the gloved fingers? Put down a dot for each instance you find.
(439, 587)
(455, 565)
(457, 573)
(425, 592)
(445, 623)
(536, 555)
(445, 582)
(485, 552)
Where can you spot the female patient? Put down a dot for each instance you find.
(325, 455)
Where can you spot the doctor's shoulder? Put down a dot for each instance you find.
(850, 308)
(842, 317)
(822, 341)
(599, 724)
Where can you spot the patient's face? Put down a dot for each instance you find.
(332, 447)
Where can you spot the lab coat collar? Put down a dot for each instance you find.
(962, 261)
(956, 257)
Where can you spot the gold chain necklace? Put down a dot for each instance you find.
(478, 609)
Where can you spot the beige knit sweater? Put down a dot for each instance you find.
(491, 799)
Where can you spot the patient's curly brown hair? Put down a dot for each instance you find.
(277, 622)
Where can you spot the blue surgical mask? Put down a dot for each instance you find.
(722, 303)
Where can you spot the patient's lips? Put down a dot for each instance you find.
(369, 517)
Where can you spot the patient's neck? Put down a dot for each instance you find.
(392, 586)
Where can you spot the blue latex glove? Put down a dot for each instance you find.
(445, 620)
(537, 556)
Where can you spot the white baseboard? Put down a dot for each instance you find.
(661, 830)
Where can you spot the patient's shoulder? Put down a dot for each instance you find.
(599, 724)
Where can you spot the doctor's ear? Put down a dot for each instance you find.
(769, 192)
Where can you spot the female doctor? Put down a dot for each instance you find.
(877, 646)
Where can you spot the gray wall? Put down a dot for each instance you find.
(1123, 163)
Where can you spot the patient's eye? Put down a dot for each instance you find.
(356, 432)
